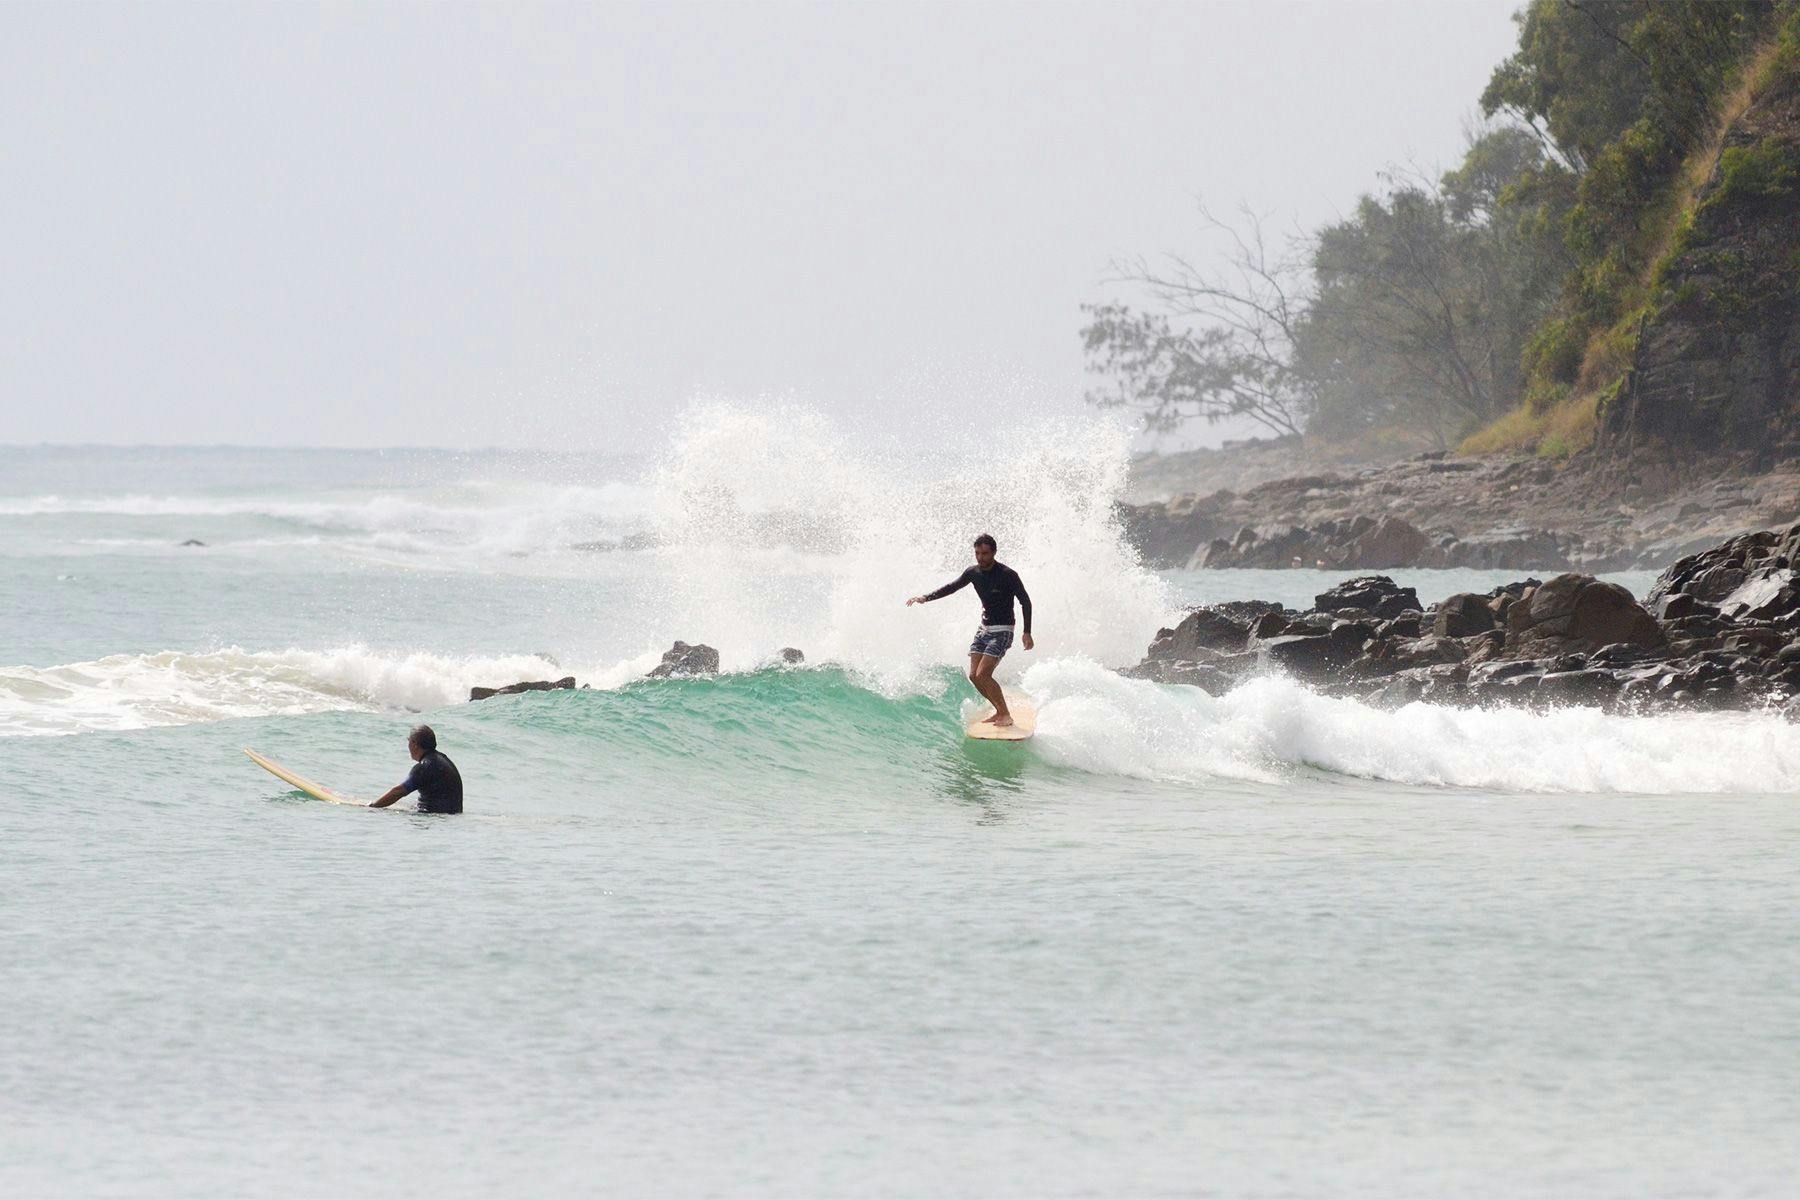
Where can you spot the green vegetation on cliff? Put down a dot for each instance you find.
(1642, 160)
(1637, 98)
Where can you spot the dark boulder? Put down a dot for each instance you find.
(1246, 610)
(1463, 615)
(1391, 542)
(1518, 549)
(683, 659)
(1713, 574)
(1767, 593)
(1676, 605)
(1258, 546)
(528, 685)
(1309, 657)
(1406, 625)
(1579, 608)
(1203, 628)
(1269, 625)
(1581, 685)
(1495, 672)
(1377, 595)
(1208, 677)
(1423, 652)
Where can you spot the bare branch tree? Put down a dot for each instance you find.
(1222, 343)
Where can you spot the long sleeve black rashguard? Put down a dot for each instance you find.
(997, 586)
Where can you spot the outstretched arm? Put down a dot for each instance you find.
(960, 581)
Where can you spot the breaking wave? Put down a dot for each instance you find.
(767, 528)
(1095, 720)
(829, 721)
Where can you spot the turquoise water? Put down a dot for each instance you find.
(784, 931)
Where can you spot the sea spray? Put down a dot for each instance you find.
(863, 532)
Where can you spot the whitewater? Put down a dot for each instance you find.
(781, 930)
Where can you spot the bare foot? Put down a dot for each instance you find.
(1002, 719)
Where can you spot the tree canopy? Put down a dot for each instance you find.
(1440, 303)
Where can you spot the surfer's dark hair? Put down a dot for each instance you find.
(422, 737)
(987, 539)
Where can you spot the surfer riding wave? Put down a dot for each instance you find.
(998, 585)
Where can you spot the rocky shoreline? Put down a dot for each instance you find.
(1503, 512)
(1720, 629)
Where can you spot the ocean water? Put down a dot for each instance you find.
(783, 931)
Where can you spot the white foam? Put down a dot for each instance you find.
(1095, 720)
(137, 691)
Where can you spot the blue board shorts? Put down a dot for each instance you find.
(993, 641)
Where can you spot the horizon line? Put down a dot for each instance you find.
(378, 449)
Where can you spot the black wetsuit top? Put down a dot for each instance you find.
(996, 586)
(438, 783)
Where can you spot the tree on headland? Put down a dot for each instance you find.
(1483, 297)
(1424, 296)
(1221, 345)
(1407, 314)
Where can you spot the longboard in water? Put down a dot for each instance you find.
(300, 781)
(1024, 715)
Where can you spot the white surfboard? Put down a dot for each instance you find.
(317, 791)
(1024, 715)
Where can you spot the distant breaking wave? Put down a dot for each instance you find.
(484, 519)
(141, 691)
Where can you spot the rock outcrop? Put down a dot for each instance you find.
(529, 685)
(682, 659)
(1720, 628)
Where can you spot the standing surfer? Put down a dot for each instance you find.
(997, 584)
(433, 776)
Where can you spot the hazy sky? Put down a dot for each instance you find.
(512, 225)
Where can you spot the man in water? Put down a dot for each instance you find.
(996, 584)
(433, 776)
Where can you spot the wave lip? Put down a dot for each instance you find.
(839, 721)
(1095, 720)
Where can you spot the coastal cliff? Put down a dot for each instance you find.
(1714, 375)
(1507, 511)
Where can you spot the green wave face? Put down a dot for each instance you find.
(815, 729)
